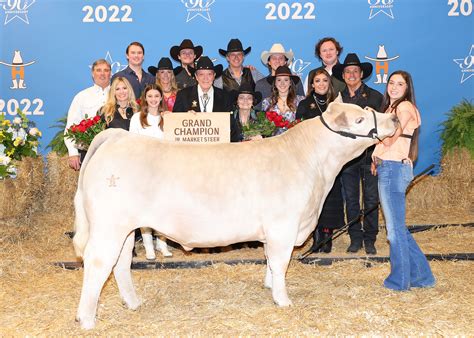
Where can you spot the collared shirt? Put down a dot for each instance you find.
(86, 102)
(206, 105)
(132, 77)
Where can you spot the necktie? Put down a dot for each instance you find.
(205, 100)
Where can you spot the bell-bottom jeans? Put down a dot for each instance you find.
(408, 265)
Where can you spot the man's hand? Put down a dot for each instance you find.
(74, 162)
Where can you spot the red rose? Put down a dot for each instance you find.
(81, 128)
(96, 118)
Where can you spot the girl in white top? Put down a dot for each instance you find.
(148, 121)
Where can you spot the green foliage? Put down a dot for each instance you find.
(260, 126)
(57, 143)
(458, 129)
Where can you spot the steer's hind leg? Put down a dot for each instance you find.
(267, 282)
(100, 256)
(123, 274)
(278, 251)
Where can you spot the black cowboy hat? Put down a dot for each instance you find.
(185, 44)
(283, 71)
(234, 45)
(352, 60)
(205, 63)
(164, 63)
(246, 88)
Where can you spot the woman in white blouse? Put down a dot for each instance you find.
(148, 121)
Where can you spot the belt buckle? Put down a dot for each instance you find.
(378, 161)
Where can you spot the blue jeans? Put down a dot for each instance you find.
(408, 265)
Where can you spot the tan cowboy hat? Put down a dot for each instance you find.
(277, 48)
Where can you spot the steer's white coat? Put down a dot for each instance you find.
(270, 190)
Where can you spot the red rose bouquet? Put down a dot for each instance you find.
(83, 133)
(279, 121)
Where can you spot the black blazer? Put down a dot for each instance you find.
(188, 99)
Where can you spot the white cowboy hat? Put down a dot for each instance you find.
(277, 48)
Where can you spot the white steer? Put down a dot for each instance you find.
(271, 190)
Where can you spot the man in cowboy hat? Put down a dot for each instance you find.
(274, 58)
(352, 72)
(236, 74)
(186, 54)
(87, 102)
(203, 97)
(134, 72)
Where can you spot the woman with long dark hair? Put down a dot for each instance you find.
(332, 215)
(393, 163)
(150, 122)
(284, 100)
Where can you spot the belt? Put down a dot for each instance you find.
(378, 161)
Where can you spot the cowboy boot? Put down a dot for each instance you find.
(316, 247)
(385, 77)
(326, 234)
(162, 247)
(15, 84)
(379, 79)
(148, 244)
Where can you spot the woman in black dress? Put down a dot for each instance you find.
(120, 105)
(332, 214)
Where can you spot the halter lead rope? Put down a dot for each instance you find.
(373, 134)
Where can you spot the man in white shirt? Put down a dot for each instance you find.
(87, 102)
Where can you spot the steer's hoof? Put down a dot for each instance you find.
(86, 324)
(283, 302)
(132, 305)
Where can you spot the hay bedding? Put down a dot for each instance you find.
(345, 298)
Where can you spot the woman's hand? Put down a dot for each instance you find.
(256, 137)
(373, 169)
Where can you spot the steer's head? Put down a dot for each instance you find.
(351, 121)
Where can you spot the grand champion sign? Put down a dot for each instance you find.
(197, 127)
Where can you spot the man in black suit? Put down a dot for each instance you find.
(203, 97)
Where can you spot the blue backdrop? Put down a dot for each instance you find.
(57, 41)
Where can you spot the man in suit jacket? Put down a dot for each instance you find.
(203, 97)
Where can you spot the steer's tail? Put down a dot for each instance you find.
(81, 223)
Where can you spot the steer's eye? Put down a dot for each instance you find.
(359, 120)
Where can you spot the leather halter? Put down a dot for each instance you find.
(373, 134)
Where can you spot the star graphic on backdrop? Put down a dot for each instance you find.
(466, 65)
(389, 13)
(198, 9)
(115, 66)
(21, 14)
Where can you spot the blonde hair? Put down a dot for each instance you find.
(174, 86)
(108, 110)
